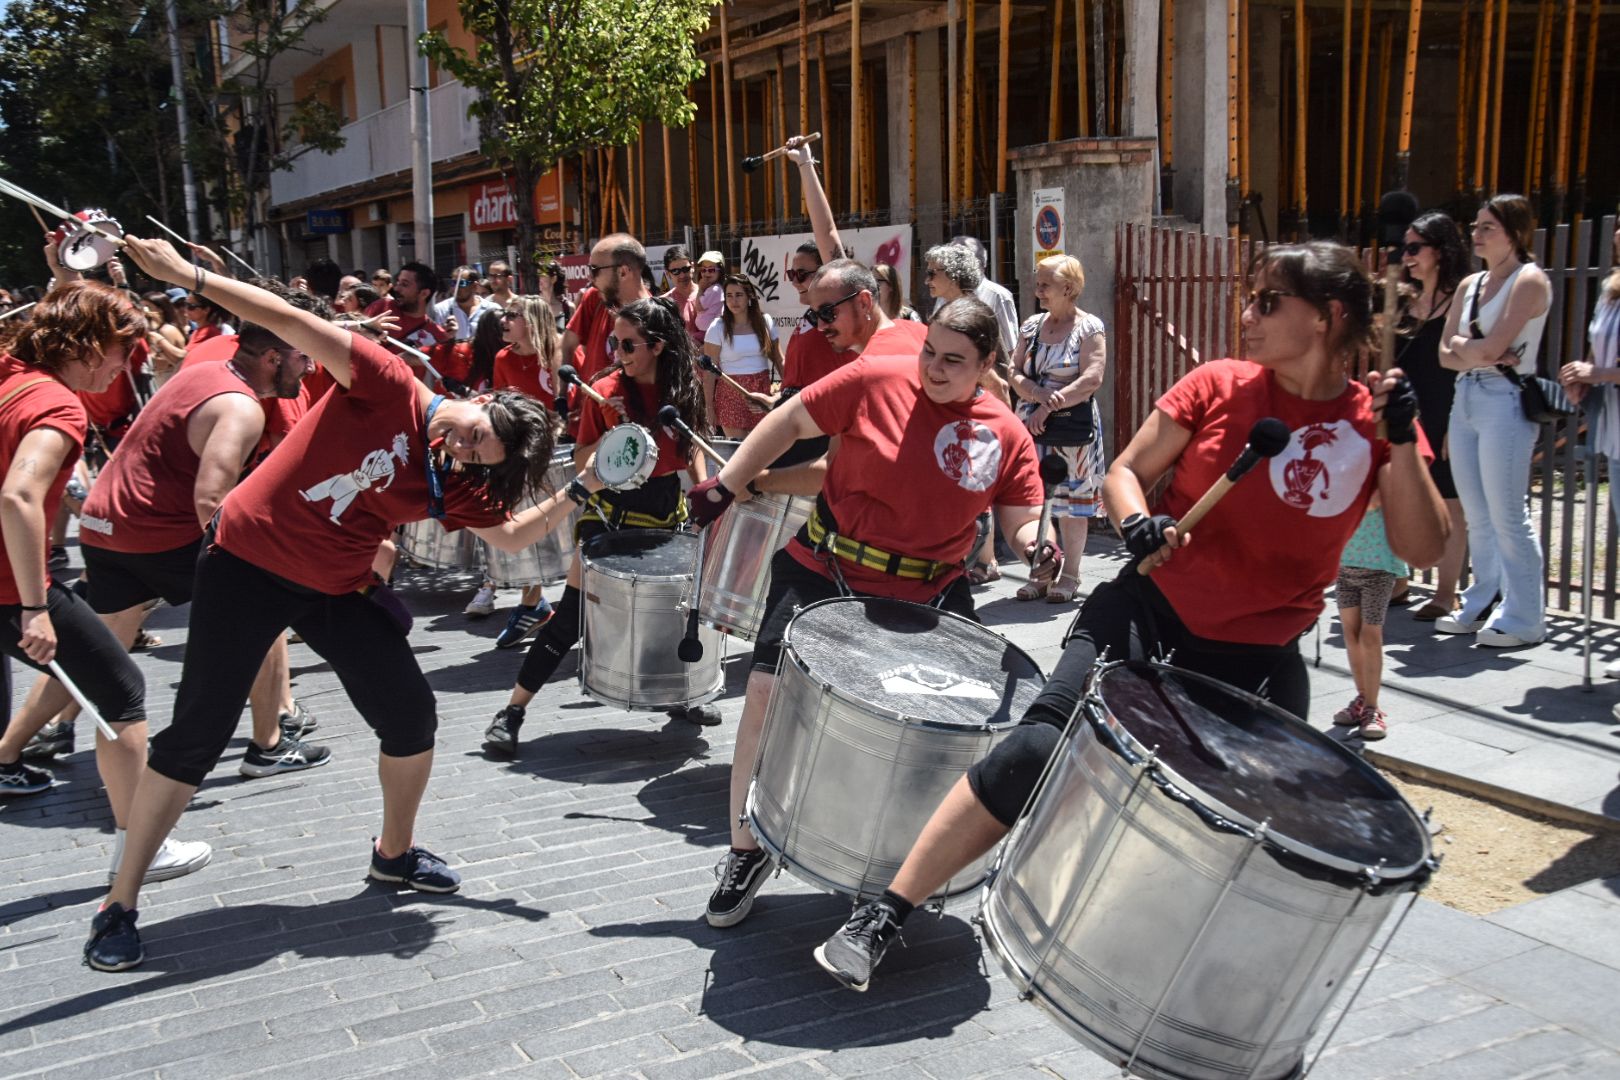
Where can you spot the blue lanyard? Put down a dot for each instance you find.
(435, 475)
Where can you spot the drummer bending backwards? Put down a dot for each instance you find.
(920, 442)
(1233, 606)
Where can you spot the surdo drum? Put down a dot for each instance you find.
(625, 457)
(428, 543)
(546, 561)
(880, 706)
(1198, 877)
(637, 586)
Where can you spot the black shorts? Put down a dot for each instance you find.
(794, 586)
(119, 580)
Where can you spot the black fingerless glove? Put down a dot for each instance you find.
(1144, 535)
(455, 387)
(1401, 412)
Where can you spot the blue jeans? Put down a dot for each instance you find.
(1491, 447)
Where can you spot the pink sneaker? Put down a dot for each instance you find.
(1374, 724)
(1350, 715)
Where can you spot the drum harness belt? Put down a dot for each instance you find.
(615, 517)
(824, 539)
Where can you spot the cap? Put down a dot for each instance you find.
(176, 294)
(712, 257)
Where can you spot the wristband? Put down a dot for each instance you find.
(753, 490)
(34, 607)
(577, 491)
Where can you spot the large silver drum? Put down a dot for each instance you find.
(637, 586)
(880, 706)
(546, 561)
(737, 554)
(427, 543)
(1198, 877)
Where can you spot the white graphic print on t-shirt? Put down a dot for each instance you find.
(1322, 468)
(374, 467)
(969, 453)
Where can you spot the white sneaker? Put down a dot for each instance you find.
(1451, 624)
(1498, 639)
(176, 858)
(1612, 669)
(482, 603)
(1617, 712)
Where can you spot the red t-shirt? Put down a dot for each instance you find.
(523, 371)
(456, 361)
(810, 356)
(1262, 557)
(143, 501)
(350, 472)
(112, 405)
(417, 331)
(592, 323)
(594, 421)
(204, 332)
(902, 340)
(912, 476)
(46, 404)
(281, 415)
(217, 347)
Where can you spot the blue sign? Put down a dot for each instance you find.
(326, 222)
(1048, 227)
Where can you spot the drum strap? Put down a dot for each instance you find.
(824, 538)
(615, 517)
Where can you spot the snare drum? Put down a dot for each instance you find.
(637, 586)
(880, 707)
(737, 554)
(546, 561)
(1198, 877)
(625, 457)
(427, 543)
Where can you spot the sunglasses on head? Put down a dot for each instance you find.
(1266, 301)
(826, 313)
(799, 277)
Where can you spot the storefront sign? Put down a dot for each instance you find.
(492, 207)
(326, 222)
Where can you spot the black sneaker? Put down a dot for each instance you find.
(850, 955)
(701, 715)
(289, 755)
(51, 741)
(502, 734)
(524, 622)
(115, 944)
(20, 779)
(418, 869)
(740, 874)
(299, 722)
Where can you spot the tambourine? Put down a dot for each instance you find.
(626, 457)
(81, 248)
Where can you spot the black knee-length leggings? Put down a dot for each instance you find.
(87, 651)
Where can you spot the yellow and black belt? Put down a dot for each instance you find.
(825, 539)
(615, 517)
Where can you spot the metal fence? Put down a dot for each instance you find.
(1178, 303)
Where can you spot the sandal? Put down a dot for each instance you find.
(1033, 591)
(144, 640)
(983, 573)
(1062, 592)
(1431, 611)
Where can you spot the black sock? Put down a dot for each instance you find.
(901, 906)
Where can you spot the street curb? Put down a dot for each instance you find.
(1480, 788)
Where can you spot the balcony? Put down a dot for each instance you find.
(379, 145)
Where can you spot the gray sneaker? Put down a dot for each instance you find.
(22, 779)
(850, 955)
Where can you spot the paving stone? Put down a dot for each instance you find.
(1562, 987)
(1581, 923)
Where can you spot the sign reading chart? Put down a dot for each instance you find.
(1047, 222)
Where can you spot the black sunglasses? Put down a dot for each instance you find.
(510, 316)
(1414, 247)
(594, 269)
(1267, 301)
(826, 313)
(625, 345)
(799, 277)
(687, 269)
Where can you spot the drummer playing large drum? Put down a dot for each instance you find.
(1233, 605)
(923, 451)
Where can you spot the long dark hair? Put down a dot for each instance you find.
(488, 339)
(1319, 272)
(528, 431)
(1440, 232)
(659, 321)
(1518, 219)
(165, 307)
(756, 316)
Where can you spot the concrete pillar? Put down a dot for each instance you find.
(367, 92)
(1200, 126)
(1141, 87)
(898, 107)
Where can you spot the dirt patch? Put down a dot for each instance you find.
(1498, 856)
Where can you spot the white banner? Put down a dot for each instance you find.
(766, 259)
(655, 262)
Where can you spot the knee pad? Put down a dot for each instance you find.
(1004, 779)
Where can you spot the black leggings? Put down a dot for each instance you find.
(100, 667)
(236, 612)
(1130, 618)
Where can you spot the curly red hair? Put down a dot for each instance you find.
(76, 321)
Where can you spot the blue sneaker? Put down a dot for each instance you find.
(418, 869)
(115, 944)
(523, 624)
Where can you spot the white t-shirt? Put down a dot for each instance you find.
(742, 354)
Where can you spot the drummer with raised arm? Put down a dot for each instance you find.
(1234, 605)
(654, 370)
(920, 443)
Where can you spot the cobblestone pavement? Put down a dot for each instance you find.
(577, 947)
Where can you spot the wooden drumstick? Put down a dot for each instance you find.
(250, 267)
(566, 374)
(85, 703)
(8, 188)
(752, 164)
(670, 416)
(17, 310)
(421, 357)
(706, 362)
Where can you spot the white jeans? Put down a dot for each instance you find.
(1491, 447)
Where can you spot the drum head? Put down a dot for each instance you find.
(642, 553)
(915, 662)
(626, 456)
(1250, 762)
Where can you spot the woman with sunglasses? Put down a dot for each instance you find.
(742, 343)
(1495, 329)
(889, 296)
(208, 320)
(1234, 604)
(923, 451)
(654, 370)
(711, 270)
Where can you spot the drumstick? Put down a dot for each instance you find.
(566, 374)
(752, 164)
(421, 356)
(1392, 284)
(19, 310)
(706, 362)
(1268, 438)
(251, 269)
(1054, 470)
(102, 726)
(8, 188)
(690, 650)
(670, 416)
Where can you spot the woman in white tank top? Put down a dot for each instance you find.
(1497, 324)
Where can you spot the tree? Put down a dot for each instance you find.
(558, 77)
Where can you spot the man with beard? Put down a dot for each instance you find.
(463, 310)
(410, 300)
(619, 274)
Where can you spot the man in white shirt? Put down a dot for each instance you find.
(996, 297)
(461, 312)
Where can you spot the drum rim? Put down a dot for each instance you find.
(643, 471)
(1094, 707)
(791, 653)
(586, 562)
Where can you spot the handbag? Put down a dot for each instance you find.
(1543, 400)
(1074, 426)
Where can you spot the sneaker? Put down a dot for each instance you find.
(1374, 724)
(701, 715)
(1498, 639)
(1610, 671)
(51, 741)
(850, 955)
(418, 869)
(176, 858)
(20, 779)
(502, 733)
(1350, 715)
(115, 944)
(291, 754)
(482, 604)
(740, 874)
(299, 722)
(1456, 624)
(524, 623)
